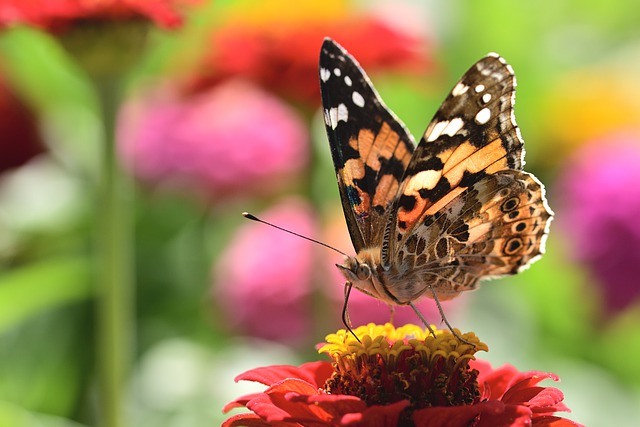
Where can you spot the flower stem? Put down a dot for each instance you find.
(115, 325)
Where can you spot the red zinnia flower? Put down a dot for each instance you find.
(105, 36)
(399, 377)
(285, 58)
(58, 14)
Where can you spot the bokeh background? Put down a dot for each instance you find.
(220, 115)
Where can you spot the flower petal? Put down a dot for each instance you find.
(283, 407)
(240, 402)
(495, 382)
(456, 416)
(336, 406)
(376, 416)
(252, 420)
(315, 373)
(526, 389)
(550, 421)
(513, 416)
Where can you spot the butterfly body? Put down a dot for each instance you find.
(436, 218)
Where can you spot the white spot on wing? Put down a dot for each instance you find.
(483, 116)
(337, 71)
(341, 113)
(437, 130)
(453, 126)
(486, 97)
(423, 180)
(357, 99)
(459, 89)
(479, 88)
(324, 74)
(347, 80)
(333, 117)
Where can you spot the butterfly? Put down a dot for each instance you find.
(433, 219)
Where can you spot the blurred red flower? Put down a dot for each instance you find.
(433, 373)
(284, 58)
(20, 140)
(231, 139)
(58, 14)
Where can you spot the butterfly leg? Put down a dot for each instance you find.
(431, 331)
(444, 318)
(346, 320)
(392, 313)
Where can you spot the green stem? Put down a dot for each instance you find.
(115, 325)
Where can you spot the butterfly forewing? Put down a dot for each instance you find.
(370, 147)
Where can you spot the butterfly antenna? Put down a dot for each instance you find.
(254, 218)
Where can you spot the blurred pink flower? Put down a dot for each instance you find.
(263, 280)
(599, 205)
(234, 137)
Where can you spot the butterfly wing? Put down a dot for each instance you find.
(371, 148)
(496, 227)
(472, 135)
(454, 222)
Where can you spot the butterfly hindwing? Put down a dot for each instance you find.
(371, 148)
(472, 135)
(496, 227)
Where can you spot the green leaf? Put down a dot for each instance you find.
(34, 288)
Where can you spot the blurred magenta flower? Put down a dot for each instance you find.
(264, 279)
(231, 138)
(280, 52)
(399, 377)
(57, 15)
(599, 205)
(20, 140)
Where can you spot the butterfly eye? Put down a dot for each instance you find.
(363, 272)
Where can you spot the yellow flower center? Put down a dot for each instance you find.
(391, 364)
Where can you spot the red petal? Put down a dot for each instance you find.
(268, 375)
(549, 421)
(376, 416)
(252, 420)
(336, 405)
(548, 401)
(456, 416)
(513, 416)
(495, 382)
(526, 389)
(280, 397)
(266, 409)
(240, 402)
(318, 372)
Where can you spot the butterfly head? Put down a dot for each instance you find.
(362, 272)
(355, 271)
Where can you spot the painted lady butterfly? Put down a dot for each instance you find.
(436, 218)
